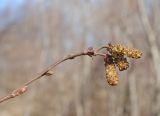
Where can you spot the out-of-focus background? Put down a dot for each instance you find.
(36, 33)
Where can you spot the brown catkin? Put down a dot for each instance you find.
(111, 74)
(121, 63)
(124, 50)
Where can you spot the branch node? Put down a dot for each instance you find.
(49, 73)
(19, 91)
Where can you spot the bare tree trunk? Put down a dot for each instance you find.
(133, 95)
(44, 33)
(78, 105)
(151, 38)
(154, 51)
(86, 86)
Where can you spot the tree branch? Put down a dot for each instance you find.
(47, 72)
(114, 55)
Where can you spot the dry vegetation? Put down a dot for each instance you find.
(50, 29)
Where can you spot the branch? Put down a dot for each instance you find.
(113, 56)
(47, 72)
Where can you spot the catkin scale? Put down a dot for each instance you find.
(124, 50)
(111, 74)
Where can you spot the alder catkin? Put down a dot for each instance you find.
(124, 50)
(111, 74)
(122, 63)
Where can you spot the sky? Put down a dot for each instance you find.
(10, 11)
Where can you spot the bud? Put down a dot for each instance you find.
(124, 50)
(49, 73)
(111, 74)
(121, 63)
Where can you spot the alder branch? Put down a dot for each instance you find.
(48, 71)
(113, 56)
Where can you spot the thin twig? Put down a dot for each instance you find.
(103, 47)
(23, 89)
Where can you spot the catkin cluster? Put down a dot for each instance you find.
(117, 57)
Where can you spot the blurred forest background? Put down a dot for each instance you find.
(36, 33)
